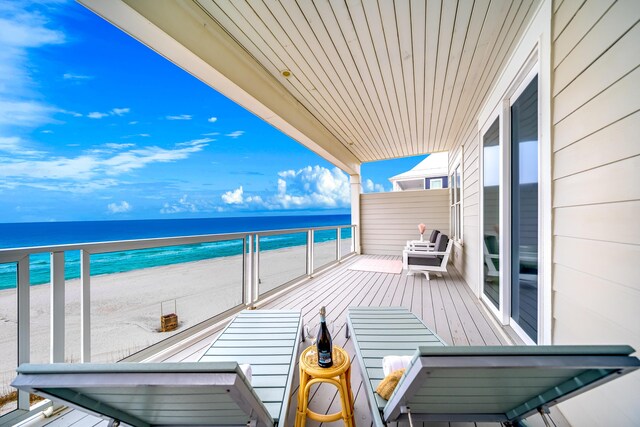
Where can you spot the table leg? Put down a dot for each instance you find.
(301, 412)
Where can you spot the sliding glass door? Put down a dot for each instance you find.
(491, 213)
(524, 210)
(510, 211)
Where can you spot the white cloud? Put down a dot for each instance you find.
(310, 187)
(233, 197)
(182, 205)
(235, 134)
(21, 31)
(97, 115)
(121, 207)
(133, 122)
(115, 146)
(120, 111)
(16, 146)
(25, 113)
(114, 112)
(371, 187)
(212, 119)
(99, 165)
(180, 117)
(71, 76)
(47, 131)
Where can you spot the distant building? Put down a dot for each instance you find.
(431, 173)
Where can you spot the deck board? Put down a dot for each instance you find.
(446, 305)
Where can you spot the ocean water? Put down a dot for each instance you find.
(55, 233)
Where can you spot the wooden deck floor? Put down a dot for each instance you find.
(446, 305)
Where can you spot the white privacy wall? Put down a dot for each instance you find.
(388, 220)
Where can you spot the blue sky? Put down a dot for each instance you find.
(94, 125)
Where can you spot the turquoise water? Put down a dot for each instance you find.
(44, 234)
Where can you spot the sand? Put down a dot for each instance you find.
(126, 307)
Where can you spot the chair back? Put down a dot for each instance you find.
(146, 394)
(434, 236)
(501, 384)
(441, 245)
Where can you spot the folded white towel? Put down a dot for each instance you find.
(393, 363)
(246, 370)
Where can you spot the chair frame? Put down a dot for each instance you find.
(426, 269)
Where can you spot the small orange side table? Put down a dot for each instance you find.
(339, 375)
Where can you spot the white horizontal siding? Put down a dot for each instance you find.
(388, 220)
(596, 200)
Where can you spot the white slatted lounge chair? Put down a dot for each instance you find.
(477, 384)
(433, 261)
(213, 392)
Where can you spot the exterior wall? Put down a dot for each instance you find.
(388, 220)
(466, 139)
(596, 192)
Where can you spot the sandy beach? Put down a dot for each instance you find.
(125, 307)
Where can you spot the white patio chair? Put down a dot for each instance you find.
(434, 261)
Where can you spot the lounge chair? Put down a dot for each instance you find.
(434, 261)
(476, 384)
(213, 392)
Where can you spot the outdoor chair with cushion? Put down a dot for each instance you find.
(434, 261)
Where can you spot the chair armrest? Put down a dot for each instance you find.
(425, 253)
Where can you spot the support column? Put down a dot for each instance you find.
(356, 190)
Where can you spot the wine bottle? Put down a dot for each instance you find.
(323, 343)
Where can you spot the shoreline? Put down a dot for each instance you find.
(72, 263)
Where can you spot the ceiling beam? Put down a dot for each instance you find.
(184, 34)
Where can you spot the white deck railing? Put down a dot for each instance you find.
(251, 281)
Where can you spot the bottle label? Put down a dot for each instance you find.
(324, 357)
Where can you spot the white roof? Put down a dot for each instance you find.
(436, 164)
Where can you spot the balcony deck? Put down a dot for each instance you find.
(446, 305)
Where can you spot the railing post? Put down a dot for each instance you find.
(256, 271)
(57, 307)
(85, 306)
(309, 252)
(24, 324)
(338, 248)
(248, 277)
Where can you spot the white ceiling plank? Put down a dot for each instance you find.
(274, 39)
(419, 35)
(406, 50)
(246, 33)
(356, 50)
(335, 69)
(447, 22)
(295, 21)
(375, 26)
(458, 40)
(347, 69)
(506, 44)
(384, 94)
(434, 8)
(390, 34)
(499, 32)
(474, 48)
